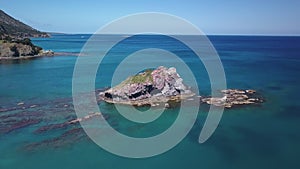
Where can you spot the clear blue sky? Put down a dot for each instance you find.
(279, 17)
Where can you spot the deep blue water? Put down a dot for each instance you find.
(260, 136)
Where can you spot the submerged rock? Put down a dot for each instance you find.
(233, 97)
(148, 88)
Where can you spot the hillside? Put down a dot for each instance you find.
(14, 28)
(14, 39)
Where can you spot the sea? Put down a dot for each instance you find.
(36, 101)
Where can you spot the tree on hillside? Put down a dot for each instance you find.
(15, 50)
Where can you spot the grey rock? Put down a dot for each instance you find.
(149, 87)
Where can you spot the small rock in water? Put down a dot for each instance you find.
(250, 91)
(20, 103)
(167, 105)
(33, 106)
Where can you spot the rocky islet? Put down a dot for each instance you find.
(162, 85)
(149, 88)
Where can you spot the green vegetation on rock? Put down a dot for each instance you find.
(142, 77)
(18, 47)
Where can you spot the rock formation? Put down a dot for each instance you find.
(163, 85)
(233, 97)
(149, 88)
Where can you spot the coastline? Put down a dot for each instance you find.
(22, 58)
(155, 101)
(39, 56)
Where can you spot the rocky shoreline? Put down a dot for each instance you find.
(156, 101)
(231, 98)
(47, 53)
(163, 86)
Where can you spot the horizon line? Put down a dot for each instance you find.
(290, 35)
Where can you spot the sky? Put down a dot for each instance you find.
(249, 17)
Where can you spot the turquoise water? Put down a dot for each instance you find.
(259, 136)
